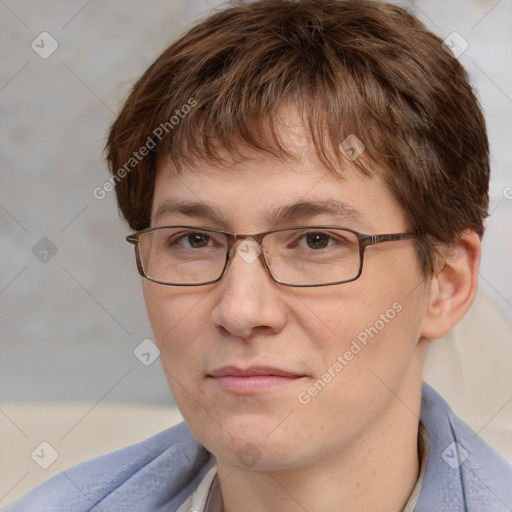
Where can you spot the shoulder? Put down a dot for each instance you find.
(152, 475)
(463, 472)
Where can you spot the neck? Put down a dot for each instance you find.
(377, 473)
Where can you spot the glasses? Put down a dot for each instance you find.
(297, 256)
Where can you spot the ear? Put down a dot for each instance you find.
(453, 287)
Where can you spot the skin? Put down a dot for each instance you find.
(336, 449)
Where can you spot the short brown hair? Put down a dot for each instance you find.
(357, 67)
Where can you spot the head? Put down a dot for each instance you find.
(255, 112)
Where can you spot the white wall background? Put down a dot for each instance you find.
(69, 325)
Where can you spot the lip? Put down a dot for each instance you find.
(252, 379)
(252, 371)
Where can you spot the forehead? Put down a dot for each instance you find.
(262, 191)
(258, 190)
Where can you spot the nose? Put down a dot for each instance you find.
(249, 300)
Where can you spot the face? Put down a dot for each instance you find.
(340, 354)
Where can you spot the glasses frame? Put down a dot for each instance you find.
(364, 240)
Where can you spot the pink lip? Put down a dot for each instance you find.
(255, 378)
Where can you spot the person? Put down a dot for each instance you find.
(307, 183)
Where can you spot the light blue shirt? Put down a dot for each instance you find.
(463, 474)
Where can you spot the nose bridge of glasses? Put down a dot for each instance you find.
(248, 248)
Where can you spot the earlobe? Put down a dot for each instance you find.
(453, 287)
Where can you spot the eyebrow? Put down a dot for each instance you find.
(283, 214)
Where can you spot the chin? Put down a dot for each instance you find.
(251, 442)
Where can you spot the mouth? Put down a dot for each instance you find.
(252, 379)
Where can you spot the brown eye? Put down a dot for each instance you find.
(317, 240)
(198, 240)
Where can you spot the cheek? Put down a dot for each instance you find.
(372, 324)
(177, 317)
(179, 321)
(361, 354)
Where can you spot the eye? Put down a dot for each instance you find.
(196, 240)
(186, 240)
(317, 240)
